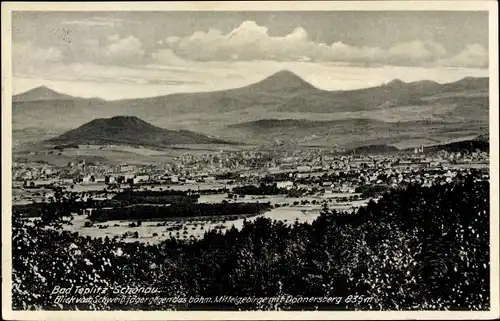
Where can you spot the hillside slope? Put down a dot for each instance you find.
(129, 130)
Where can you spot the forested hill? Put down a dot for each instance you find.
(132, 131)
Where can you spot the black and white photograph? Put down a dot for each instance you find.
(244, 157)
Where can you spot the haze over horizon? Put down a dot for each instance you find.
(105, 55)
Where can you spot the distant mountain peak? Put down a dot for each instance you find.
(396, 83)
(469, 83)
(425, 82)
(43, 87)
(126, 122)
(125, 118)
(468, 78)
(40, 93)
(285, 73)
(284, 80)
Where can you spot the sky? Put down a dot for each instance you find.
(117, 55)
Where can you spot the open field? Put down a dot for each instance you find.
(107, 156)
(188, 186)
(192, 229)
(27, 196)
(155, 231)
(114, 155)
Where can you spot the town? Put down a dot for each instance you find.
(296, 184)
(327, 169)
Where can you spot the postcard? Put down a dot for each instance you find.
(250, 160)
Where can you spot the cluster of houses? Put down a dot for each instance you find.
(198, 170)
(124, 178)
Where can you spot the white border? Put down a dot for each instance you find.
(7, 9)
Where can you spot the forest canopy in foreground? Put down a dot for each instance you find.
(418, 248)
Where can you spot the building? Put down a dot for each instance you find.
(38, 183)
(142, 178)
(66, 181)
(28, 184)
(287, 166)
(284, 184)
(99, 179)
(304, 168)
(109, 179)
(132, 180)
(124, 178)
(273, 170)
(125, 168)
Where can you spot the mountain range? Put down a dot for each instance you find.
(280, 107)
